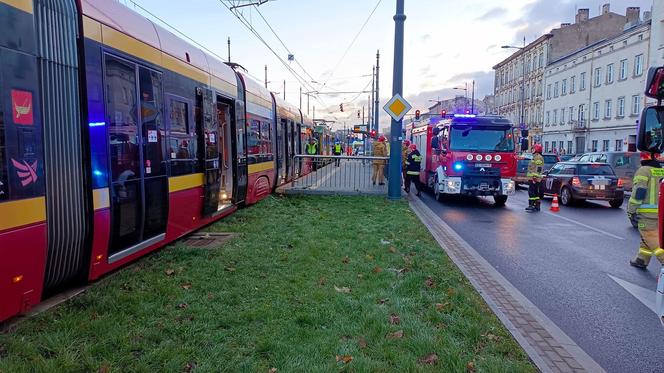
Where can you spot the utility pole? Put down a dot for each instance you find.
(308, 112)
(394, 187)
(284, 89)
(300, 98)
(523, 84)
(472, 103)
(377, 95)
(372, 108)
(229, 49)
(265, 76)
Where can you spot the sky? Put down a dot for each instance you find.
(448, 43)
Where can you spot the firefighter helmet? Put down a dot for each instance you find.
(537, 148)
(646, 156)
(413, 147)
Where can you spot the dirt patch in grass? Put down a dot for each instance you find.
(311, 284)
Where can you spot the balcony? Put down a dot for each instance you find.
(579, 125)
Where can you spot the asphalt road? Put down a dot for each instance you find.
(562, 263)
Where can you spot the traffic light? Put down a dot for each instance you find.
(358, 114)
(373, 133)
(341, 107)
(443, 113)
(357, 129)
(417, 115)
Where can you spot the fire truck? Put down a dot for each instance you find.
(650, 138)
(467, 154)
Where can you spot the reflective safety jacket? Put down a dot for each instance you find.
(413, 163)
(645, 195)
(338, 149)
(536, 166)
(311, 148)
(404, 156)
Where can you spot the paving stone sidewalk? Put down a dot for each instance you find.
(548, 346)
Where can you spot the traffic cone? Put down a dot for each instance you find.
(554, 204)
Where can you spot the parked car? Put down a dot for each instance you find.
(624, 164)
(570, 157)
(579, 181)
(522, 166)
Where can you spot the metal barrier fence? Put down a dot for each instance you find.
(319, 174)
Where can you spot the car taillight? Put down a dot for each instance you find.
(576, 182)
(620, 182)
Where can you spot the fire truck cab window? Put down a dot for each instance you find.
(481, 139)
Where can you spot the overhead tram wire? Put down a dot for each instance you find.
(282, 42)
(176, 30)
(248, 25)
(352, 42)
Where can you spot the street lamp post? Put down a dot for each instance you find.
(465, 95)
(523, 79)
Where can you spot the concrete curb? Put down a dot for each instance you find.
(547, 345)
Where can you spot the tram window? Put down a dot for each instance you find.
(153, 126)
(266, 137)
(253, 138)
(121, 111)
(179, 117)
(4, 186)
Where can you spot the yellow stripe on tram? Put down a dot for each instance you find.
(260, 167)
(101, 199)
(24, 5)
(22, 212)
(178, 183)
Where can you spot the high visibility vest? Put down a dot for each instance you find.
(337, 148)
(536, 166)
(645, 196)
(311, 149)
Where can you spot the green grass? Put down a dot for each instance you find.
(267, 300)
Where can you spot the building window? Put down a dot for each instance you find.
(595, 110)
(561, 146)
(619, 145)
(541, 59)
(605, 145)
(548, 118)
(623, 70)
(539, 87)
(609, 73)
(564, 87)
(582, 113)
(572, 84)
(569, 147)
(546, 146)
(555, 117)
(638, 65)
(608, 109)
(548, 91)
(594, 146)
(571, 114)
(582, 82)
(621, 107)
(555, 89)
(527, 90)
(562, 116)
(598, 76)
(636, 104)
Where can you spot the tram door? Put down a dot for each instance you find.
(139, 183)
(208, 129)
(286, 147)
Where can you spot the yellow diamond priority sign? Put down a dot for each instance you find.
(397, 107)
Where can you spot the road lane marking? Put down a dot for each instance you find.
(585, 226)
(643, 295)
(454, 244)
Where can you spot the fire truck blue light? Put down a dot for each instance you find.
(458, 166)
(97, 124)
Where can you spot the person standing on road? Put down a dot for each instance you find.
(413, 166)
(405, 149)
(379, 150)
(643, 208)
(312, 149)
(338, 151)
(535, 169)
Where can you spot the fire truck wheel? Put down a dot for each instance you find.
(616, 203)
(436, 191)
(500, 200)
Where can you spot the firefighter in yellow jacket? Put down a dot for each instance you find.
(643, 208)
(379, 150)
(535, 169)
